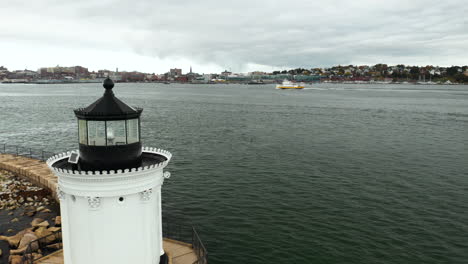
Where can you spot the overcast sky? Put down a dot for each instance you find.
(240, 35)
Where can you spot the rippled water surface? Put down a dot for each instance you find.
(335, 174)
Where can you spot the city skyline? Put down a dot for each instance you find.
(191, 69)
(355, 73)
(251, 35)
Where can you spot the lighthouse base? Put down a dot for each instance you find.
(164, 259)
(174, 250)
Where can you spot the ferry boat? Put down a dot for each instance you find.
(289, 85)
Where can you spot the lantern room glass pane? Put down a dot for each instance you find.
(133, 135)
(97, 133)
(83, 131)
(116, 133)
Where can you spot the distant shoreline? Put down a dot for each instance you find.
(241, 83)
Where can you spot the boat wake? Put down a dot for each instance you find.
(313, 88)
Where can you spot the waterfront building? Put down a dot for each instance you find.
(175, 72)
(181, 79)
(307, 78)
(104, 73)
(110, 189)
(205, 78)
(226, 73)
(133, 76)
(237, 78)
(59, 72)
(80, 71)
(191, 75)
(116, 76)
(257, 73)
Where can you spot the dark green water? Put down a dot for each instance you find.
(338, 174)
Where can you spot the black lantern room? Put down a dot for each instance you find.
(109, 133)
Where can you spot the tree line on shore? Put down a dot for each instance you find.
(398, 72)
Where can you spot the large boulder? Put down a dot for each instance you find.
(55, 246)
(43, 224)
(15, 240)
(42, 232)
(36, 221)
(26, 239)
(45, 232)
(58, 220)
(15, 259)
(54, 229)
(18, 251)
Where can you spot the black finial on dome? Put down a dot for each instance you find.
(108, 84)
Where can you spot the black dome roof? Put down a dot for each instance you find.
(108, 107)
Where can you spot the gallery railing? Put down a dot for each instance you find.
(25, 152)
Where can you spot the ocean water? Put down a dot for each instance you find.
(338, 173)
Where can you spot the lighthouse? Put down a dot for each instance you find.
(110, 188)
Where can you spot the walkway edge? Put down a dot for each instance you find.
(34, 170)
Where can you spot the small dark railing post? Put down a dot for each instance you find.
(42, 155)
(4, 148)
(193, 236)
(16, 150)
(30, 153)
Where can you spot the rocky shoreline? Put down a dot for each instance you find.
(27, 212)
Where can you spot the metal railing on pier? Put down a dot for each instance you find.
(187, 234)
(45, 245)
(53, 242)
(199, 248)
(25, 152)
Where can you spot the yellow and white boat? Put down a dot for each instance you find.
(289, 85)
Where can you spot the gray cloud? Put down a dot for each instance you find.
(258, 32)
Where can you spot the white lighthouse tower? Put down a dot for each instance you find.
(110, 189)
